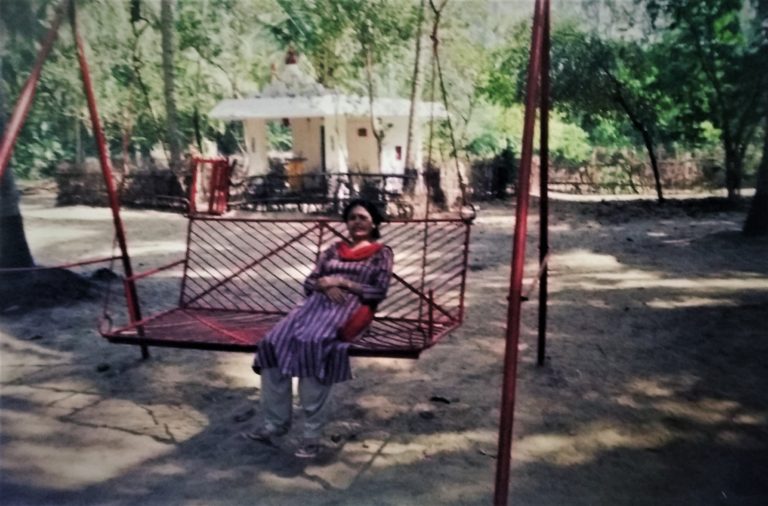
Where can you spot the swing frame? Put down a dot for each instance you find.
(537, 90)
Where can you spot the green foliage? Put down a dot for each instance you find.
(483, 146)
(714, 77)
(569, 144)
(690, 79)
(336, 36)
(279, 136)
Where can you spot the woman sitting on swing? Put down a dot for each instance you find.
(312, 341)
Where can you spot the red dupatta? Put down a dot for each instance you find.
(346, 252)
(363, 316)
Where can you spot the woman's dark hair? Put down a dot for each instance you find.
(372, 209)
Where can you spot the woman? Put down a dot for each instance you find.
(312, 341)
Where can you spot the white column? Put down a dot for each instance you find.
(336, 152)
(256, 158)
(418, 155)
(418, 143)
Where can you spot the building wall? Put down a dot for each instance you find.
(336, 153)
(255, 156)
(362, 150)
(306, 142)
(393, 147)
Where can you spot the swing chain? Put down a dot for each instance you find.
(105, 321)
(468, 211)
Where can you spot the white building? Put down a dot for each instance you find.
(331, 131)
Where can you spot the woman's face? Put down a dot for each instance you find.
(359, 224)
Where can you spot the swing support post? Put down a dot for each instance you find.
(501, 492)
(24, 102)
(541, 349)
(134, 310)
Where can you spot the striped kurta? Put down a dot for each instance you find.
(305, 343)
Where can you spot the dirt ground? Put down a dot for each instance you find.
(654, 391)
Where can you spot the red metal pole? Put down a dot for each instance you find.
(24, 102)
(213, 187)
(193, 187)
(464, 270)
(541, 351)
(501, 492)
(134, 312)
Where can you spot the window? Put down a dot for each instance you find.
(362, 132)
(398, 152)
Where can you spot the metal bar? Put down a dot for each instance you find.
(217, 328)
(534, 283)
(183, 287)
(154, 271)
(420, 295)
(192, 209)
(106, 169)
(431, 315)
(541, 351)
(467, 229)
(329, 221)
(506, 421)
(24, 102)
(62, 266)
(213, 188)
(202, 159)
(252, 264)
(246, 277)
(139, 323)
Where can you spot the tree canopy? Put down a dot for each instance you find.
(655, 76)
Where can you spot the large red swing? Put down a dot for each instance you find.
(241, 275)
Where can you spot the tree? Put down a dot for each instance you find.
(757, 218)
(594, 80)
(715, 74)
(321, 32)
(416, 82)
(171, 117)
(14, 249)
(381, 30)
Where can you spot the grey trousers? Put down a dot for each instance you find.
(277, 402)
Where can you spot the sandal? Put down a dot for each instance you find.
(308, 451)
(264, 434)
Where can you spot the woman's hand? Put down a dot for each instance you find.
(335, 294)
(327, 282)
(332, 287)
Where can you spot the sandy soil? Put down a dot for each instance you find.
(654, 391)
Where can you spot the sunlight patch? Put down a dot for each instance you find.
(585, 445)
(682, 302)
(46, 452)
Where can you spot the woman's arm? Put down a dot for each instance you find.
(375, 290)
(311, 283)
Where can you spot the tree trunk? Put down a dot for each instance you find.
(377, 134)
(654, 162)
(757, 219)
(171, 117)
(14, 250)
(644, 132)
(415, 92)
(732, 171)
